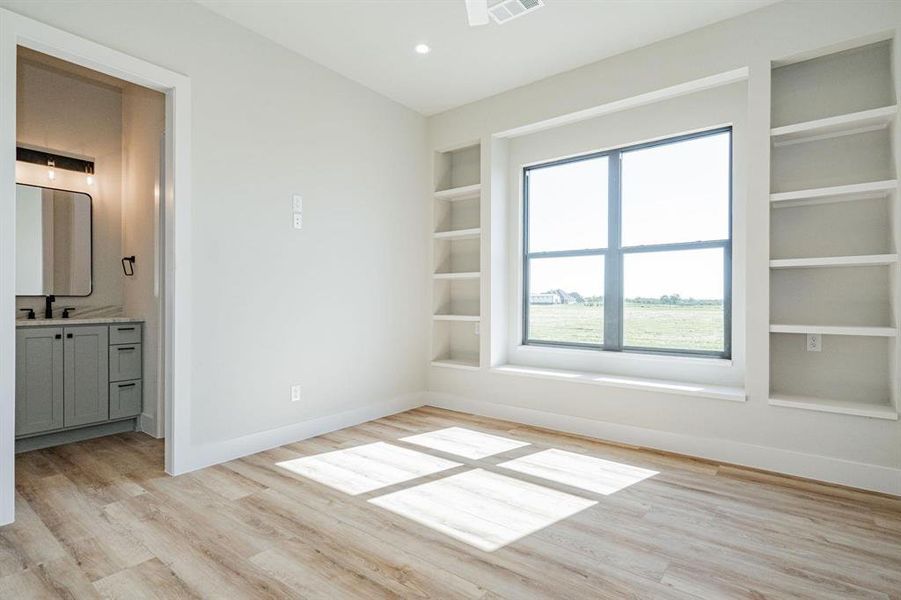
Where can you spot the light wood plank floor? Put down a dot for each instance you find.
(101, 519)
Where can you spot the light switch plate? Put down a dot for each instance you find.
(298, 203)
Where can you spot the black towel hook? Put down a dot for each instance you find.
(128, 266)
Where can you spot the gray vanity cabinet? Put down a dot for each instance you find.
(76, 382)
(86, 375)
(39, 380)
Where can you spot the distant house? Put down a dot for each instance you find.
(556, 297)
(546, 298)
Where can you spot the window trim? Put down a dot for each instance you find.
(614, 254)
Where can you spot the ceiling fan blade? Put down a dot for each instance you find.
(477, 11)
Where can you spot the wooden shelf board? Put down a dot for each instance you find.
(839, 193)
(842, 407)
(869, 260)
(468, 363)
(470, 275)
(459, 193)
(459, 234)
(857, 122)
(836, 330)
(469, 318)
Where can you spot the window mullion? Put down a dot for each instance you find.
(613, 268)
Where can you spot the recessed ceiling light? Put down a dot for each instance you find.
(422, 49)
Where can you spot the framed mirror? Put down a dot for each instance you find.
(54, 242)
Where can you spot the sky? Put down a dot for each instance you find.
(673, 193)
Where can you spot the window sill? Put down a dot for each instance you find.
(680, 388)
(631, 356)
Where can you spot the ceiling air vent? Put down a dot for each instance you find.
(506, 10)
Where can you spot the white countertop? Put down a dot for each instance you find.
(74, 321)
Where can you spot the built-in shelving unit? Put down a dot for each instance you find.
(834, 234)
(456, 257)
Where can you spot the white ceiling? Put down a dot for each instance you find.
(371, 41)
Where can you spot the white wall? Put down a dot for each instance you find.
(338, 307)
(143, 124)
(70, 114)
(834, 447)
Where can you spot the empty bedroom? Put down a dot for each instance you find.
(440, 299)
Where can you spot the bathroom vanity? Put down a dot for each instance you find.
(76, 379)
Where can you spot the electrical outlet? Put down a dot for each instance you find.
(295, 393)
(814, 342)
(297, 206)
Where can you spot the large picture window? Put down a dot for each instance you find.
(631, 249)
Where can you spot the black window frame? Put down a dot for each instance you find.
(614, 255)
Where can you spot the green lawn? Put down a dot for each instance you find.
(646, 325)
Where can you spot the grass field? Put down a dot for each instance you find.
(645, 325)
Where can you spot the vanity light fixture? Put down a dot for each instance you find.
(56, 161)
(422, 49)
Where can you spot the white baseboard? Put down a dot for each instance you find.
(147, 424)
(220, 452)
(864, 476)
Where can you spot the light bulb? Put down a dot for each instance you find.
(90, 179)
(422, 49)
(51, 175)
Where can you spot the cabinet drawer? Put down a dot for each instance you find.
(126, 333)
(125, 362)
(126, 399)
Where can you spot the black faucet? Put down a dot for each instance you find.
(48, 306)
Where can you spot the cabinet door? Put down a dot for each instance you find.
(87, 375)
(39, 380)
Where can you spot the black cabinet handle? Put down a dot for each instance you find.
(58, 336)
(69, 336)
(126, 385)
(125, 349)
(125, 328)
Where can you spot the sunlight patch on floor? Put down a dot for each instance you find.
(483, 509)
(464, 442)
(366, 468)
(578, 470)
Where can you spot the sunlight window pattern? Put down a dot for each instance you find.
(366, 468)
(483, 509)
(465, 442)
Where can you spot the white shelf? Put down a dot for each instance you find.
(871, 260)
(471, 275)
(839, 193)
(842, 407)
(459, 234)
(459, 193)
(468, 318)
(836, 330)
(857, 122)
(467, 363)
